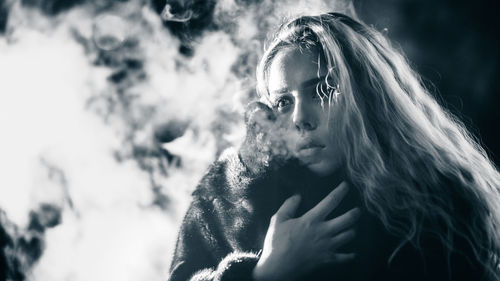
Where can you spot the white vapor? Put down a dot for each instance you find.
(67, 138)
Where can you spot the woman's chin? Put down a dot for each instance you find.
(322, 168)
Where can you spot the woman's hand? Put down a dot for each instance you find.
(296, 246)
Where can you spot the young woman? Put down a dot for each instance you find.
(416, 199)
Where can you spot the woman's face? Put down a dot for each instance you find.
(292, 80)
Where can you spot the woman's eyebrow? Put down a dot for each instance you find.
(311, 82)
(303, 85)
(283, 90)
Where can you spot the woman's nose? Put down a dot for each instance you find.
(304, 116)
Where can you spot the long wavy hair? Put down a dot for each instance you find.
(417, 166)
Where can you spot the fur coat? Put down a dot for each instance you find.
(224, 228)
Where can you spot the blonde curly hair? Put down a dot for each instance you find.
(413, 161)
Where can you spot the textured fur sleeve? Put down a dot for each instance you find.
(199, 248)
(237, 266)
(203, 250)
(195, 241)
(207, 246)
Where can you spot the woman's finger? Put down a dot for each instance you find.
(287, 209)
(343, 221)
(342, 238)
(329, 203)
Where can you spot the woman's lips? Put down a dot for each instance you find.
(309, 145)
(309, 150)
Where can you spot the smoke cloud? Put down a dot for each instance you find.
(111, 112)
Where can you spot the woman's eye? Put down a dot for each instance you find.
(283, 103)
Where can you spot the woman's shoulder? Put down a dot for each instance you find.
(223, 178)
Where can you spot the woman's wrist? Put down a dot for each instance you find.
(266, 271)
(260, 273)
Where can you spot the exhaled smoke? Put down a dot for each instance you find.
(109, 32)
(168, 15)
(269, 142)
(111, 114)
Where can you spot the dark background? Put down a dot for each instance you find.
(453, 44)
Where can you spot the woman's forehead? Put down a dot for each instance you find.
(293, 68)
